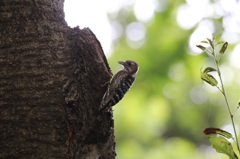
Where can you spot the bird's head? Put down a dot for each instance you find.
(130, 66)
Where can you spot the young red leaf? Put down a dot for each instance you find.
(209, 131)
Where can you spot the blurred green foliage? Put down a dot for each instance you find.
(164, 113)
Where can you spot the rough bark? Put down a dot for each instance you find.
(52, 79)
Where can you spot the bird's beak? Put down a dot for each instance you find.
(121, 62)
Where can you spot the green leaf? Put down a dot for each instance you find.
(209, 131)
(204, 41)
(209, 69)
(224, 48)
(220, 42)
(209, 79)
(201, 47)
(210, 42)
(222, 145)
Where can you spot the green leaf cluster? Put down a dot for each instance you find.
(220, 143)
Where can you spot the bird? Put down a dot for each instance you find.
(119, 85)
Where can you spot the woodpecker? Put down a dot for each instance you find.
(119, 85)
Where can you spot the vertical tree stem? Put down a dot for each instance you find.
(226, 100)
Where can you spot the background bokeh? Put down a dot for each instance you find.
(164, 113)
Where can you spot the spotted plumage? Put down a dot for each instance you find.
(119, 85)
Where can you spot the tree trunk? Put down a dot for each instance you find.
(52, 79)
